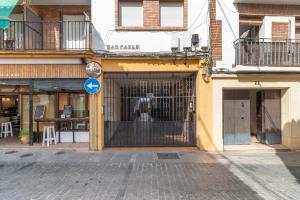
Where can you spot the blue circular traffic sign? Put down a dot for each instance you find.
(92, 86)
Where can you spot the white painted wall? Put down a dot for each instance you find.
(228, 14)
(266, 28)
(103, 18)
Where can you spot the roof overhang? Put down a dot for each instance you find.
(279, 2)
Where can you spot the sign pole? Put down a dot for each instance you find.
(92, 86)
(93, 122)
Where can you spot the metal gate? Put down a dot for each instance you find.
(149, 109)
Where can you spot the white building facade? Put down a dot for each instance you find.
(257, 74)
(149, 26)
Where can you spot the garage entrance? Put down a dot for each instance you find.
(252, 116)
(149, 109)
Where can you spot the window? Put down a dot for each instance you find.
(75, 31)
(171, 14)
(131, 13)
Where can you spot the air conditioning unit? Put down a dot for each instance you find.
(187, 42)
(204, 45)
(175, 44)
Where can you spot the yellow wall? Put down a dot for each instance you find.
(204, 112)
(203, 93)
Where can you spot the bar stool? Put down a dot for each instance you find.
(6, 129)
(49, 135)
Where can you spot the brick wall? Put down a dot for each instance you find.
(152, 16)
(215, 33)
(52, 15)
(151, 13)
(268, 10)
(280, 31)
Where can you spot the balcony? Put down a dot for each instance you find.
(52, 36)
(265, 52)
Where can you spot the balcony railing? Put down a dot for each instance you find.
(58, 36)
(266, 52)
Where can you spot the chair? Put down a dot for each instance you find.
(6, 129)
(49, 136)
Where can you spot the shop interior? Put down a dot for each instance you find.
(19, 103)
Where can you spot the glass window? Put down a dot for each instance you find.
(78, 103)
(38, 100)
(131, 13)
(171, 14)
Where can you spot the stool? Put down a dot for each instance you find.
(49, 135)
(6, 129)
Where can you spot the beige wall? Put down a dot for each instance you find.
(290, 88)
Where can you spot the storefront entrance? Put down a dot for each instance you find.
(19, 104)
(149, 109)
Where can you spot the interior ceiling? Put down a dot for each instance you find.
(282, 2)
(60, 2)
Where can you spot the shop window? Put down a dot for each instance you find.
(171, 14)
(38, 100)
(131, 13)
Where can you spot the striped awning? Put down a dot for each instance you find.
(6, 7)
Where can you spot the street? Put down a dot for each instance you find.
(146, 175)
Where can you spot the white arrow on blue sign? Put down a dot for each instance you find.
(92, 86)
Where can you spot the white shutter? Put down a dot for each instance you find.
(171, 14)
(131, 13)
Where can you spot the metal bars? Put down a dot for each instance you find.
(149, 109)
(266, 52)
(26, 35)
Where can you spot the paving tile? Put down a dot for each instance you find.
(140, 175)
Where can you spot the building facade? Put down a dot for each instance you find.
(256, 75)
(154, 62)
(202, 73)
(42, 64)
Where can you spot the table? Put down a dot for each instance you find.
(59, 121)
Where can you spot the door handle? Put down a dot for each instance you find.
(242, 118)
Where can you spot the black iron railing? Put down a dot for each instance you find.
(25, 35)
(263, 51)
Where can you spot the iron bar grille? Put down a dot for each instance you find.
(25, 35)
(149, 109)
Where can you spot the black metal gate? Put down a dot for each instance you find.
(149, 109)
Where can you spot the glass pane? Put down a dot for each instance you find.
(43, 99)
(78, 102)
(131, 13)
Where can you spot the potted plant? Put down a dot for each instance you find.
(24, 136)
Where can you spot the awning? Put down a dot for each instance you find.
(6, 7)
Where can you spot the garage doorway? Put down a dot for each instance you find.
(149, 109)
(251, 116)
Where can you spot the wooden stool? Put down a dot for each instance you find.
(49, 135)
(6, 129)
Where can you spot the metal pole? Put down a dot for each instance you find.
(93, 122)
(31, 112)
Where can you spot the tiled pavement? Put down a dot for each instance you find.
(141, 175)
